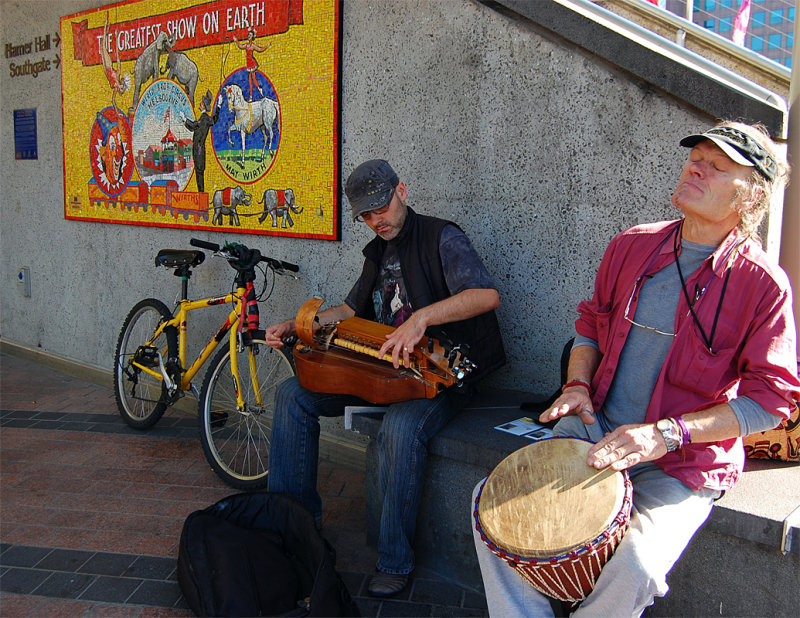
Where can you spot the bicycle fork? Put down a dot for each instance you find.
(237, 345)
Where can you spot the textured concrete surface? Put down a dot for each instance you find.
(540, 135)
(540, 149)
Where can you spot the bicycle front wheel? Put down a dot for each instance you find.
(236, 442)
(142, 397)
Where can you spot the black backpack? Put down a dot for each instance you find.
(259, 554)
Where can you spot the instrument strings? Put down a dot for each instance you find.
(363, 347)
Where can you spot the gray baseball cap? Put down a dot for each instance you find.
(739, 146)
(370, 186)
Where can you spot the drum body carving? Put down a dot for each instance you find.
(552, 518)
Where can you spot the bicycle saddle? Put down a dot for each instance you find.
(175, 258)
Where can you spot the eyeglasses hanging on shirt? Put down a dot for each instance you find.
(708, 339)
(628, 309)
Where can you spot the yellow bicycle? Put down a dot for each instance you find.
(236, 399)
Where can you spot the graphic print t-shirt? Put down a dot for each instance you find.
(463, 269)
(389, 296)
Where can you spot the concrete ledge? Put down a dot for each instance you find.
(730, 565)
(763, 506)
(77, 369)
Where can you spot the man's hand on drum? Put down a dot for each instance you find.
(627, 446)
(574, 400)
(403, 340)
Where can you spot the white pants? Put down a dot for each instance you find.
(665, 515)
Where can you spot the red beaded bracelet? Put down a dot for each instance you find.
(576, 382)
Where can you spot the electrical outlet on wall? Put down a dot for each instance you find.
(24, 281)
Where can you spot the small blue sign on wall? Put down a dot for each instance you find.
(25, 143)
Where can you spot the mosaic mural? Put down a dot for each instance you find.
(204, 115)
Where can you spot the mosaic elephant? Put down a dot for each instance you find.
(225, 202)
(279, 204)
(147, 64)
(184, 70)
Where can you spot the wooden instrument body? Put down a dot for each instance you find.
(342, 359)
(554, 519)
(347, 373)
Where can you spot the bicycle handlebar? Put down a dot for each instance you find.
(280, 264)
(246, 256)
(196, 242)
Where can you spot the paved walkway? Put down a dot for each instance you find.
(91, 511)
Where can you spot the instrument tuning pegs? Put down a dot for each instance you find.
(464, 368)
(459, 353)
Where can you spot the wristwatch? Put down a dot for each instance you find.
(670, 433)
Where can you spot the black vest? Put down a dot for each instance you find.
(418, 251)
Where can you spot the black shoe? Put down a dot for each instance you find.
(386, 584)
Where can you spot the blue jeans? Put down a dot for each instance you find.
(665, 516)
(402, 455)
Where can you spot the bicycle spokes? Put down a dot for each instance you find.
(236, 414)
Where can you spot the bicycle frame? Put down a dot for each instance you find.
(180, 321)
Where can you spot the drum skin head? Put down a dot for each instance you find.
(544, 500)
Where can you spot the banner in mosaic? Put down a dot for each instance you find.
(210, 116)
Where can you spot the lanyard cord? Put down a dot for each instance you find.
(708, 340)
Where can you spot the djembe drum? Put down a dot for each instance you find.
(552, 518)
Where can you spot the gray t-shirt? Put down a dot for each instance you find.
(645, 350)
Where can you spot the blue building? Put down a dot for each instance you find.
(770, 31)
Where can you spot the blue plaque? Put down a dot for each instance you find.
(25, 143)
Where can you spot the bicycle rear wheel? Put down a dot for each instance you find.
(236, 442)
(141, 397)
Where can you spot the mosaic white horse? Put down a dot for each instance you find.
(249, 117)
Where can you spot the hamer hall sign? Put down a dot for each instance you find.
(44, 60)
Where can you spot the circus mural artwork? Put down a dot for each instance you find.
(220, 115)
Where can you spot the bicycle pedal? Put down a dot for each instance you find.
(218, 418)
(146, 355)
(173, 367)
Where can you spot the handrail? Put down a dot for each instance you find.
(711, 38)
(660, 44)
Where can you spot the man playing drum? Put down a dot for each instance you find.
(687, 344)
(421, 275)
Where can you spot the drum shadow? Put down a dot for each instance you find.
(600, 477)
(567, 482)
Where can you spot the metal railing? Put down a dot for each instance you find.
(658, 42)
(710, 45)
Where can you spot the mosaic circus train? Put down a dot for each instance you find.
(162, 196)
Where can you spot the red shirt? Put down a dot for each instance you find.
(754, 349)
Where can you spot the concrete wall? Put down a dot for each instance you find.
(540, 147)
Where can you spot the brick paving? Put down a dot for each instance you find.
(91, 510)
